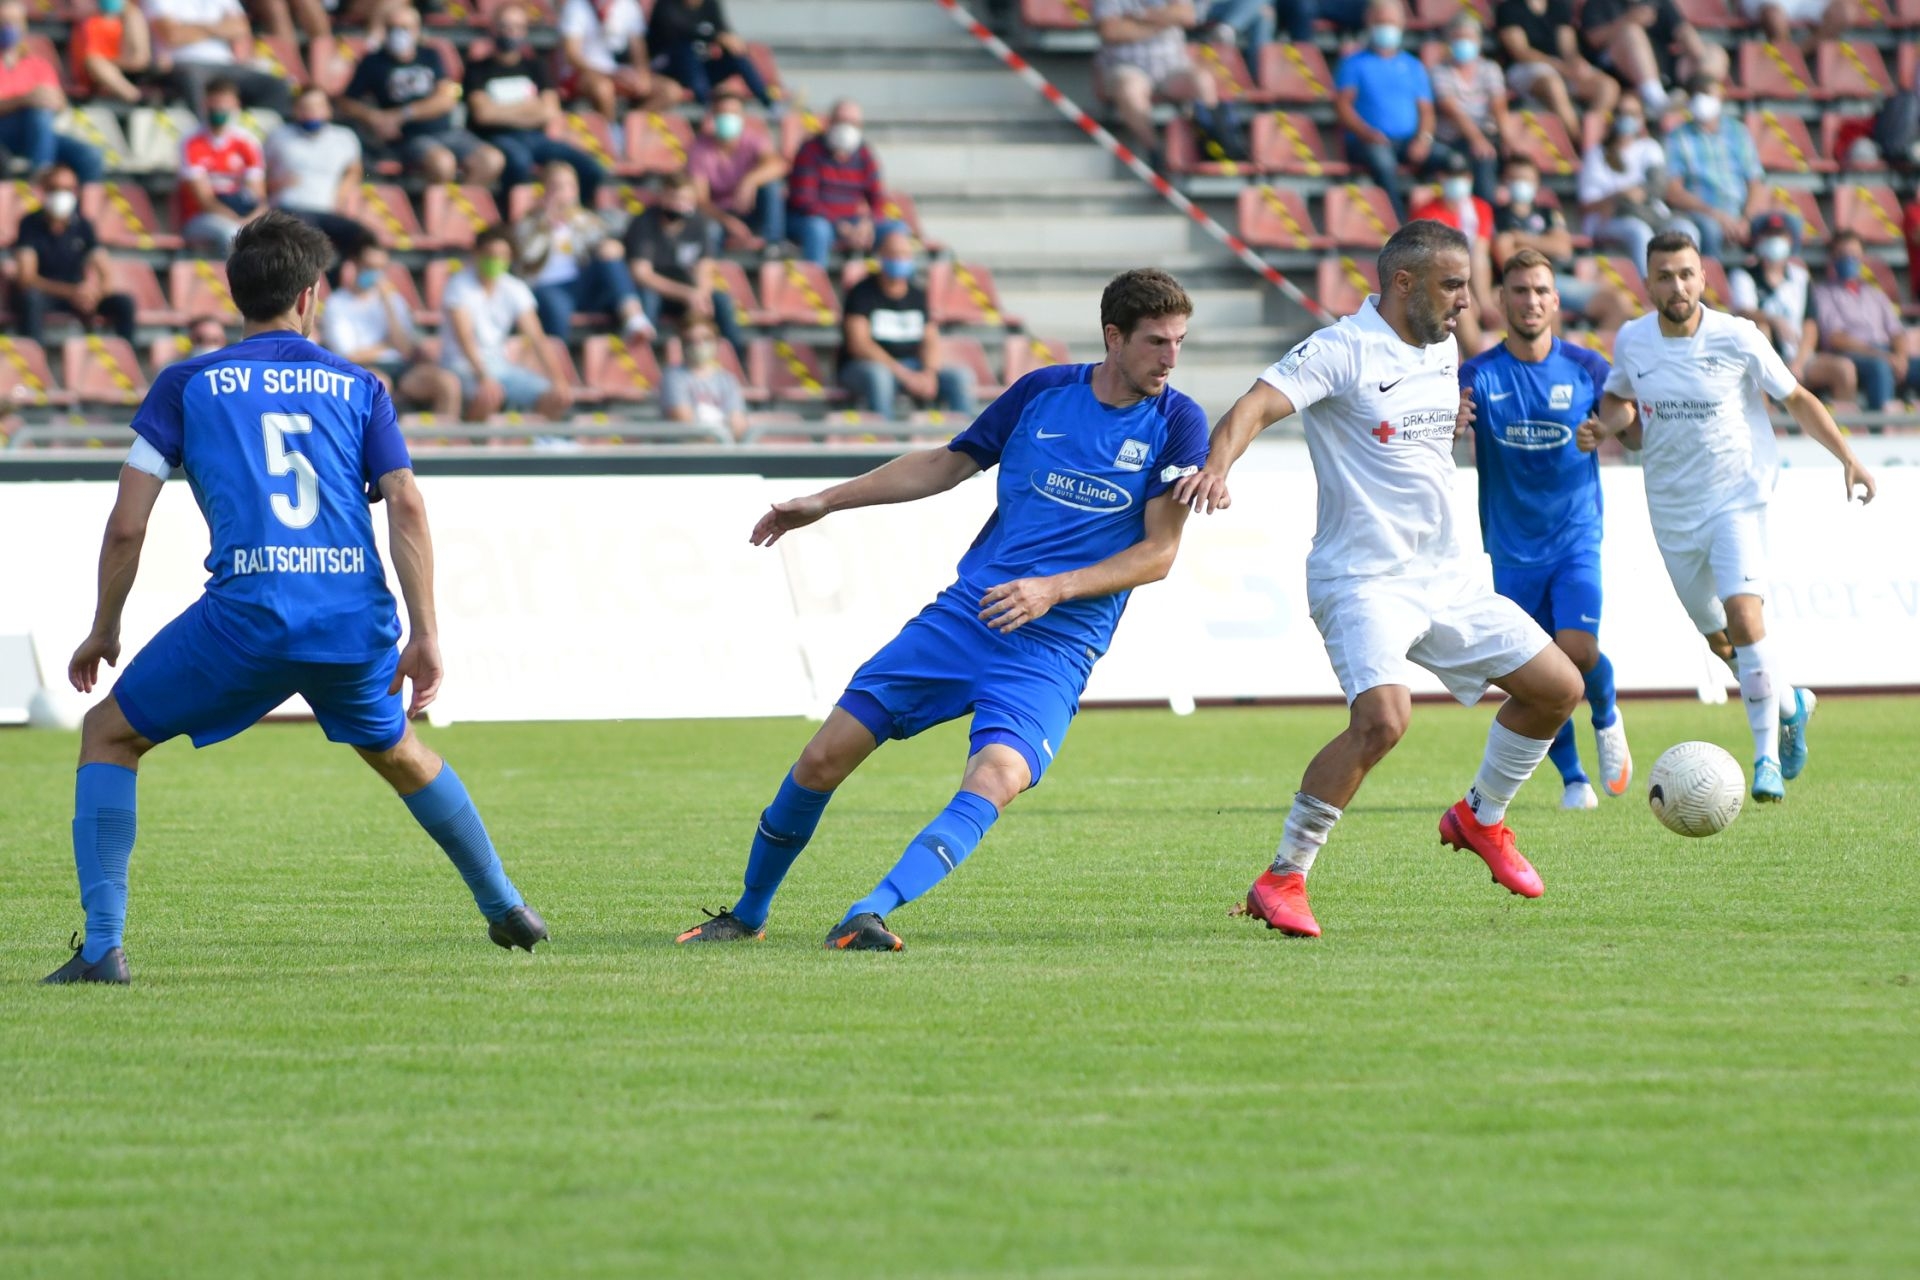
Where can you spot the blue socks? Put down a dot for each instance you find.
(444, 809)
(1600, 692)
(103, 826)
(785, 827)
(1565, 754)
(937, 850)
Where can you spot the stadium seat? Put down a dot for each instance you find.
(1540, 137)
(964, 293)
(1024, 353)
(899, 206)
(1184, 154)
(1343, 283)
(791, 372)
(150, 306)
(1767, 70)
(1852, 69)
(1784, 145)
(1295, 73)
(409, 295)
(258, 121)
(17, 200)
(1870, 212)
(1276, 218)
(1905, 14)
(453, 13)
(25, 379)
(1619, 272)
(433, 285)
(590, 132)
(99, 128)
(619, 197)
(1838, 134)
(102, 370)
(1711, 15)
(798, 293)
(197, 287)
(455, 214)
(280, 58)
(124, 218)
(731, 277)
(1715, 290)
(167, 348)
(1804, 203)
(154, 135)
(540, 13)
(1228, 69)
(520, 353)
(620, 371)
(522, 197)
(1056, 15)
(769, 68)
(332, 59)
(971, 355)
(1359, 217)
(1432, 15)
(385, 210)
(656, 143)
(1289, 142)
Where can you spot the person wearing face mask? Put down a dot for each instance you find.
(738, 177)
(1715, 178)
(1470, 104)
(223, 183)
(693, 45)
(889, 342)
(1621, 177)
(366, 322)
(670, 252)
(59, 264)
(193, 46)
(314, 172)
(1453, 203)
(511, 101)
(30, 98)
(484, 306)
(1858, 321)
(1773, 290)
(1541, 49)
(563, 251)
(1521, 221)
(1383, 99)
(834, 197)
(702, 389)
(109, 46)
(205, 335)
(604, 46)
(402, 99)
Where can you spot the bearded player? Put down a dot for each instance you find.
(1378, 395)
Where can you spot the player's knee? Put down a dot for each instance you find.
(822, 766)
(1582, 649)
(999, 776)
(1379, 731)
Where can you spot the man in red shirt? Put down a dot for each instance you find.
(223, 176)
(30, 97)
(833, 193)
(107, 47)
(1455, 205)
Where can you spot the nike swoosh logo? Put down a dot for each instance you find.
(1499, 395)
(1641, 373)
(1585, 618)
(1388, 386)
(1048, 435)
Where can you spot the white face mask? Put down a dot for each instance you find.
(843, 138)
(1776, 249)
(1522, 190)
(1456, 190)
(61, 204)
(1706, 108)
(400, 42)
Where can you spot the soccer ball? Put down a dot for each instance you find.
(1696, 789)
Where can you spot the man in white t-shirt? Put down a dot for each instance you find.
(1689, 388)
(1379, 397)
(484, 306)
(604, 43)
(193, 45)
(366, 321)
(314, 171)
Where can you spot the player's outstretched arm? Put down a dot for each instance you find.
(1819, 425)
(1616, 416)
(411, 543)
(1012, 605)
(119, 563)
(1261, 407)
(911, 476)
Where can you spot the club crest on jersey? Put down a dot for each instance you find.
(1536, 435)
(1080, 491)
(1132, 455)
(1561, 396)
(1292, 361)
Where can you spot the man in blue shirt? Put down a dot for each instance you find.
(1088, 455)
(285, 445)
(1540, 510)
(1383, 99)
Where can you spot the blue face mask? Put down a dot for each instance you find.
(112, 7)
(9, 37)
(368, 279)
(1465, 50)
(897, 268)
(311, 126)
(1386, 38)
(1847, 266)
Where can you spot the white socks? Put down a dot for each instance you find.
(1308, 824)
(1509, 762)
(1760, 690)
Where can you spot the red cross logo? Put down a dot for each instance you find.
(1383, 433)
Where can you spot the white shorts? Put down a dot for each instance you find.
(1378, 629)
(1523, 76)
(1801, 13)
(1726, 556)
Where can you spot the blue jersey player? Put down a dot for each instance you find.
(1540, 513)
(1087, 455)
(284, 445)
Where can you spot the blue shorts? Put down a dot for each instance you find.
(189, 679)
(944, 663)
(1562, 596)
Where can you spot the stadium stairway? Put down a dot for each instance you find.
(1003, 181)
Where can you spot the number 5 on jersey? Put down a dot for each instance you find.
(299, 511)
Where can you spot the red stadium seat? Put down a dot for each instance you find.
(899, 206)
(455, 214)
(1906, 13)
(590, 132)
(1837, 137)
(385, 210)
(279, 57)
(1343, 283)
(520, 353)
(1276, 218)
(621, 198)
(434, 285)
(792, 372)
(1870, 212)
(1715, 290)
(25, 379)
(731, 277)
(656, 143)
(1296, 73)
(540, 13)
(1290, 143)
(134, 277)
(1852, 69)
(1024, 353)
(1540, 137)
(522, 197)
(798, 293)
(199, 288)
(1769, 70)
(1431, 15)
(1619, 272)
(1228, 69)
(969, 354)
(1711, 15)
(1185, 154)
(964, 293)
(1803, 202)
(1359, 217)
(99, 370)
(1056, 15)
(124, 218)
(332, 59)
(1784, 144)
(17, 200)
(409, 295)
(163, 351)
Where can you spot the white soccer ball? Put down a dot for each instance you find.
(1696, 789)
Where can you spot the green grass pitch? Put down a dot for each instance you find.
(1691, 1058)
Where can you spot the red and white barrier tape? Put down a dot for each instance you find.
(1068, 108)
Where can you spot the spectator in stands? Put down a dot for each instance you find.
(1455, 204)
(1383, 99)
(1858, 320)
(510, 103)
(1470, 103)
(702, 390)
(889, 342)
(366, 321)
(1143, 55)
(109, 47)
(1778, 18)
(276, 18)
(1544, 62)
(30, 98)
(833, 192)
(1647, 45)
(484, 306)
(693, 44)
(314, 171)
(738, 177)
(1298, 17)
(401, 95)
(1520, 221)
(1715, 171)
(1773, 290)
(223, 184)
(59, 265)
(671, 252)
(1246, 23)
(1621, 178)
(563, 251)
(604, 43)
(193, 46)
(205, 335)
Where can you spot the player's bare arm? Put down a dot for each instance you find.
(907, 478)
(119, 563)
(411, 543)
(1615, 418)
(1261, 407)
(1012, 605)
(1820, 426)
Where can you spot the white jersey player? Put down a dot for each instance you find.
(1699, 380)
(1380, 399)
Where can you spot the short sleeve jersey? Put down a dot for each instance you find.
(283, 443)
(1075, 478)
(1378, 414)
(1708, 442)
(1539, 495)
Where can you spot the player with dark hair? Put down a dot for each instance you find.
(285, 445)
(1087, 456)
(1389, 588)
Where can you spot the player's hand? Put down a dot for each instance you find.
(1858, 477)
(1204, 491)
(1463, 420)
(785, 517)
(420, 663)
(1012, 605)
(83, 671)
(1589, 435)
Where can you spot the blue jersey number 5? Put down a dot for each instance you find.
(299, 511)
